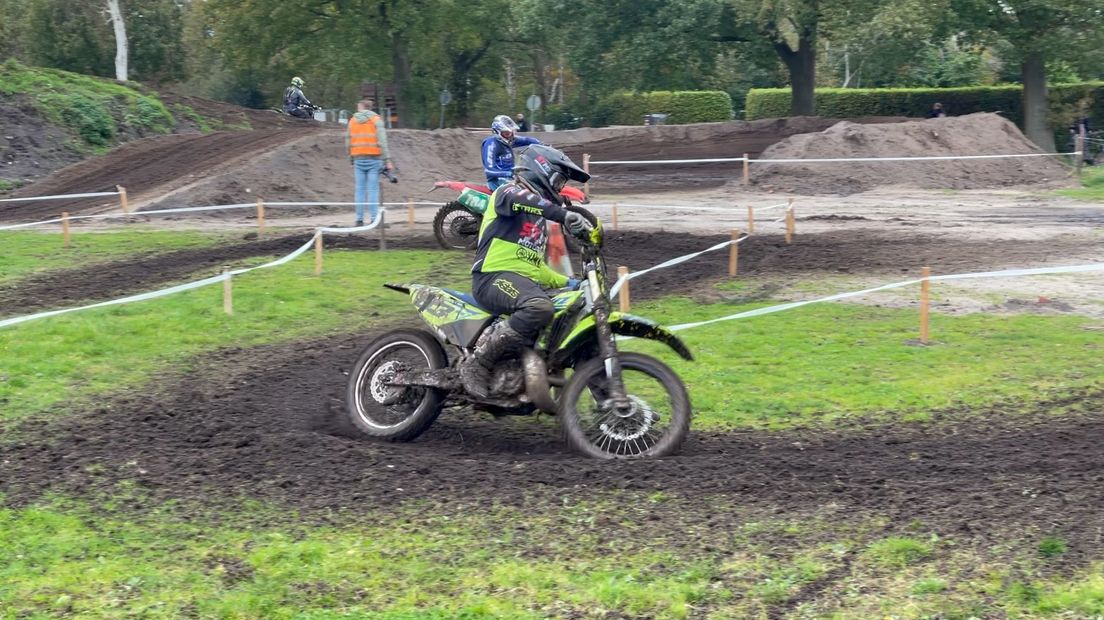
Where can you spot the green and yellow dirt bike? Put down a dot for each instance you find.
(611, 404)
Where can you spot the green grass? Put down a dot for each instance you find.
(7, 185)
(1092, 185)
(95, 110)
(49, 361)
(545, 559)
(826, 362)
(29, 252)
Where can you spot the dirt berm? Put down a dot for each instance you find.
(316, 167)
(974, 134)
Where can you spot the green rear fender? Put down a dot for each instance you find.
(623, 325)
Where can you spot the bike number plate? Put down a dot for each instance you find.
(476, 201)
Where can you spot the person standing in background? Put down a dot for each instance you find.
(523, 125)
(936, 111)
(369, 155)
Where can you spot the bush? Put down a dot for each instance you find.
(146, 114)
(629, 108)
(915, 102)
(90, 119)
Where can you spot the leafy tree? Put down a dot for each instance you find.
(1039, 31)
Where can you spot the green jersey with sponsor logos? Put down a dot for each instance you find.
(514, 235)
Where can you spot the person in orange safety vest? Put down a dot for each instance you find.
(368, 153)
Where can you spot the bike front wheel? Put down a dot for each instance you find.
(652, 421)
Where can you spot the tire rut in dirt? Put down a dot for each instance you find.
(270, 422)
(58, 289)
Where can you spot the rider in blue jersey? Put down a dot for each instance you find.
(498, 150)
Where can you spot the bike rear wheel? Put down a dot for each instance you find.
(654, 423)
(398, 413)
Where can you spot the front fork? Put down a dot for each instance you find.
(607, 345)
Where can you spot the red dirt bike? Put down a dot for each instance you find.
(456, 224)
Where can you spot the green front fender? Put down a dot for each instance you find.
(622, 325)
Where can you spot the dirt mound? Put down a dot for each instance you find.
(974, 134)
(222, 115)
(158, 163)
(30, 148)
(268, 423)
(316, 168)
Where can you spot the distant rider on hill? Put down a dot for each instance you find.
(498, 150)
(295, 102)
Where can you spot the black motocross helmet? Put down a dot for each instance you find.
(546, 170)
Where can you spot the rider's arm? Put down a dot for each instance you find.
(525, 141)
(490, 157)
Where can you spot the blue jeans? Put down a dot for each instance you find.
(366, 171)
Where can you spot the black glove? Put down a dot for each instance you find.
(577, 225)
(390, 177)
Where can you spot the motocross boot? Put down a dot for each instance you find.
(493, 345)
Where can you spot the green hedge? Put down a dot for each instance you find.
(1065, 99)
(688, 106)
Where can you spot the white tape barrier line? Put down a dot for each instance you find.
(670, 263)
(195, 209)
(190, 285)
(1008, 273)
(668, 161)
(923, 158)
(842, 159)
(736, 210)
(60, 197)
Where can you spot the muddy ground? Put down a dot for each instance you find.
(867, 252)
(268, 423)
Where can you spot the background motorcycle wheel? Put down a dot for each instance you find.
(656, 426)
(456, 228)
(395, 413)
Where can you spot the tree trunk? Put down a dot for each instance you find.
(801, 65)
(400, 62)
(120, 40)
(1035, 102)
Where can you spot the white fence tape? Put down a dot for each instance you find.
(669, 263)
(193, 285)
(250, 205)
(1007, 273)
(737, 210)
(60, 197)
(823, 160)
(668, 161)
(919, 158)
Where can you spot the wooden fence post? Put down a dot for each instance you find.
(410, 214)
(1079, 150)
(227, 291)
(623, 294)
(65, 227)
(586, 169)
(751, 220)
(747, 171)
(123, 202)
(260, 216)
(318, 253)
(791, 223)
(614, 218)
(383, 228)
(733, 252)
(925, 289)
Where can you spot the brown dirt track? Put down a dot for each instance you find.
(143, 165)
